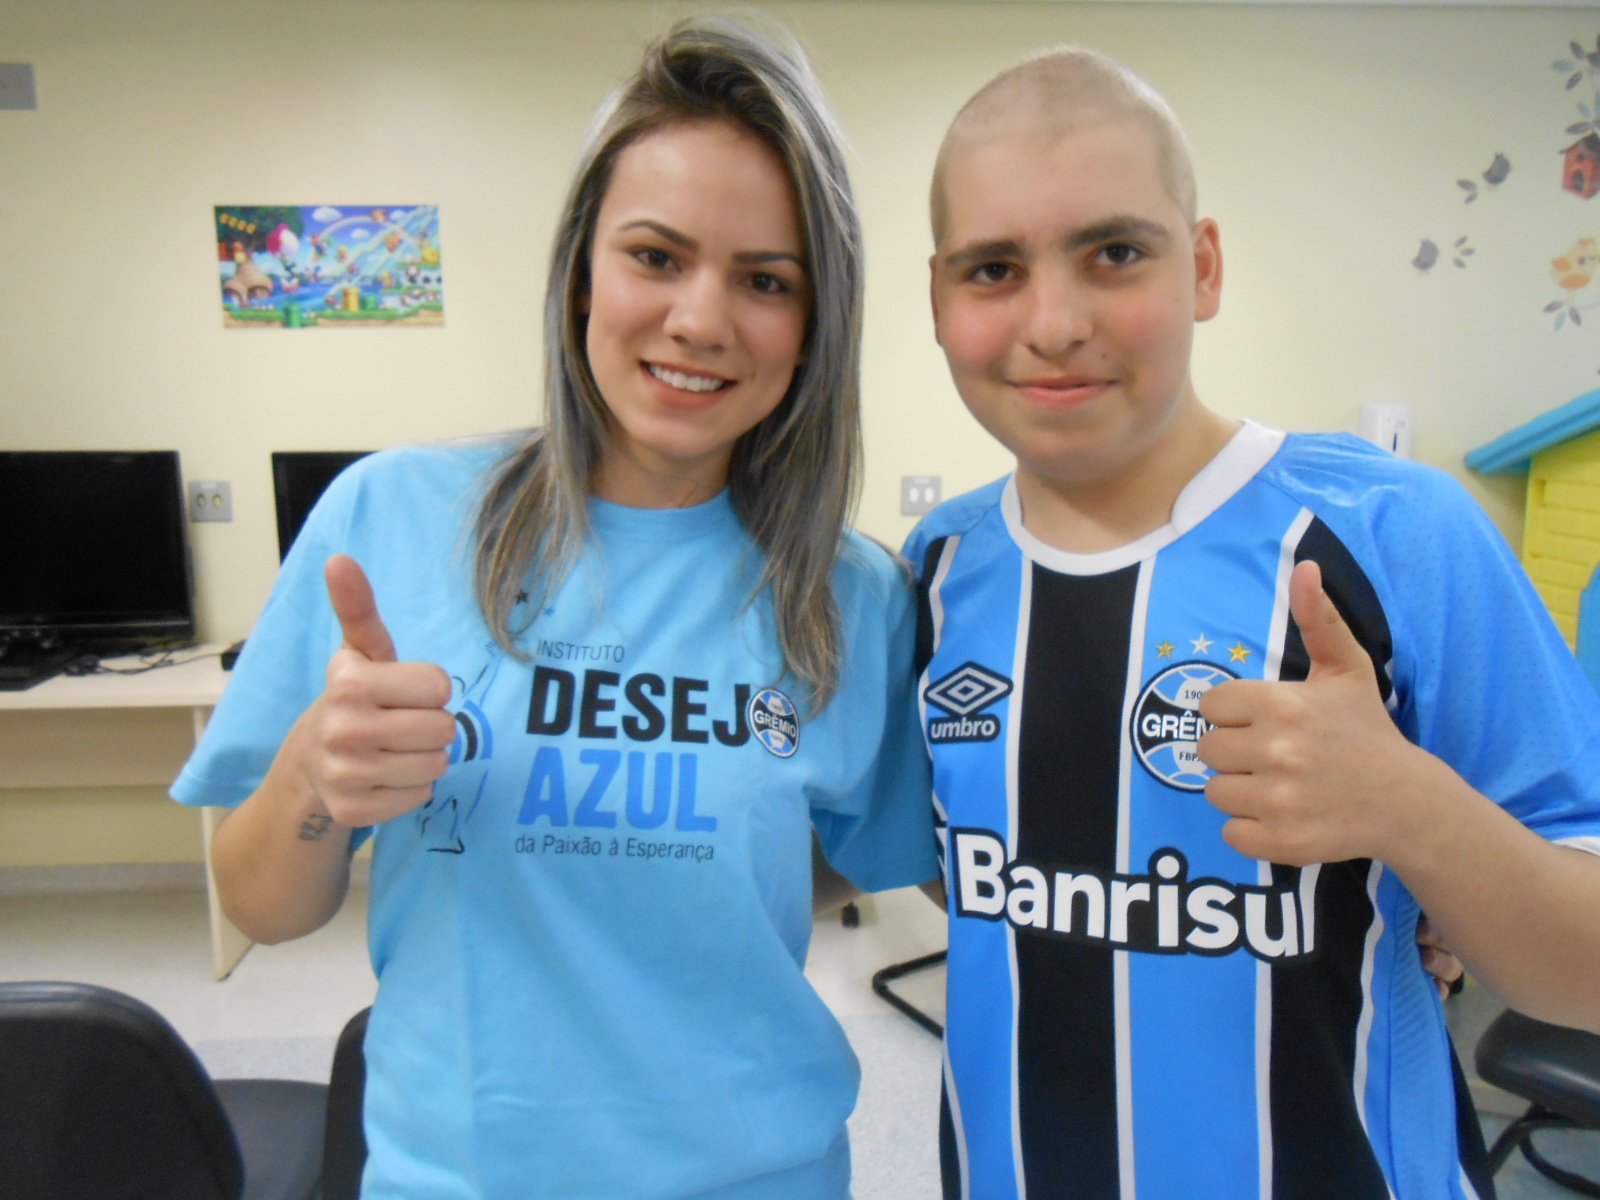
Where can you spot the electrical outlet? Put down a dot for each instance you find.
(210, 501)
(918, 494)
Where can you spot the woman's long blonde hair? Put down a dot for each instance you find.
(794, 477)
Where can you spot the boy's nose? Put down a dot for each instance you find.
(1059, 315)
(700, 315)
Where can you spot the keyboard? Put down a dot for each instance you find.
(23, 664)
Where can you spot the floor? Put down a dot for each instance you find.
(278, 1014)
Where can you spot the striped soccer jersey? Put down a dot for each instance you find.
(1136, 1009)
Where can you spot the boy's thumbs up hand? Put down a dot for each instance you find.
(379, 735)
(1331, 646)
(1311, 771)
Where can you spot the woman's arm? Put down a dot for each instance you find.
(367, 750)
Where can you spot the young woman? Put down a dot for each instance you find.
(623, 668)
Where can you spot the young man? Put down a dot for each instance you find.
(1215, 712)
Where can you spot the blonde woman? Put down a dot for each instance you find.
(594, 687)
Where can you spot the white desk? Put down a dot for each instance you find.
(120, 730)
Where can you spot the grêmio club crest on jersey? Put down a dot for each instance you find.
(1166, 727)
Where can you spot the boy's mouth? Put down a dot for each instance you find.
(1062, 391)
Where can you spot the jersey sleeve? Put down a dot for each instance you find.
(280, 672)
(1483, 677)
(879, 832)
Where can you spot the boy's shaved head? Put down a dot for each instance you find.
(1062, 89)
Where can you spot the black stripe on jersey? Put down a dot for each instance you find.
(949, 1154)
(1320, 1150)
(1352, 594)
(925, 630)
(1074, 682)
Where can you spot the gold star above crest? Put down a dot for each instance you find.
(1201, 644)
(1165, 649)
(1240, 653)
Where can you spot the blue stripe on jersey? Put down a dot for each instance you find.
(1413, 1050)
(984, 1033)
(1195, 1018)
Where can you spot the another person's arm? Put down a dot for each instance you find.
(830, 891)
(367, 750)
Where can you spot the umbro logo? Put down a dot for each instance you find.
(964, 693)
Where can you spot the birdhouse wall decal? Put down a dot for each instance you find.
(1581, 175)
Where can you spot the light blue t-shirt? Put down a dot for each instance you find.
(589, 943)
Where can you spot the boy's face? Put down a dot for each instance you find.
(1066, 285)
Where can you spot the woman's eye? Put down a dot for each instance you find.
(658, 260)
(768, 285)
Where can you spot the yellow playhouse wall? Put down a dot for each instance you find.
(1561, 545)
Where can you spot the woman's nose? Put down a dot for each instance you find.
(700, 314)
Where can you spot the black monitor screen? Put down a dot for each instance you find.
(298, 478)
(94, 544)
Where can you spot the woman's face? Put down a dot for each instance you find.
(699, 295)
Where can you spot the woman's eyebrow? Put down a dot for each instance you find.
(666, 232)
(683, 240)
(755, 258)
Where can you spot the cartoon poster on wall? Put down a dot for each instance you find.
(329, 265)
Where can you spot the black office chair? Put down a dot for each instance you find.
(101, 1099)
(344, 1153)
(882, 979)
(1554, 1068)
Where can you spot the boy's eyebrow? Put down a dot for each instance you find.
(1120, 229)
(978, 252)
(1112, 229)
(743, 258)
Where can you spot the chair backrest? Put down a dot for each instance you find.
(344, 1153)
(101, 1099)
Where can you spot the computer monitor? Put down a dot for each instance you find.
(298, 478)
(94, 548)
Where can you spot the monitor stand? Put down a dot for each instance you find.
(24, 663)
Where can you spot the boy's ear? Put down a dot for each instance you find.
(1207, 269)
(933, 292)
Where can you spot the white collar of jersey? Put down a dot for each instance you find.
(1234, 466)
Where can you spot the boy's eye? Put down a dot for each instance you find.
(991, 272)
(1121, 254)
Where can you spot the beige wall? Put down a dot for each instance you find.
(1329, 141)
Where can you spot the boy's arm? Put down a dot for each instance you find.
(1317, 771)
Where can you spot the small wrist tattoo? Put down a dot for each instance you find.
(315, 826)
